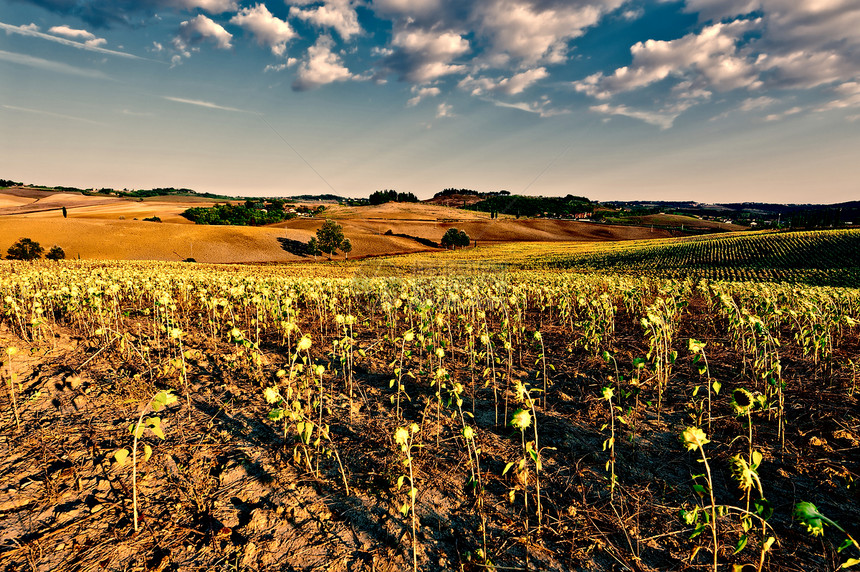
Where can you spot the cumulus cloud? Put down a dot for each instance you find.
(266, 28)
(422, 56)
(198, 29)
(711, 55)
(530, 32)
(321, 67)
(339, 15)
(803, 44)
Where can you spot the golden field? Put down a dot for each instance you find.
(108, 227)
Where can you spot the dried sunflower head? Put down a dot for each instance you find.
(742, 400)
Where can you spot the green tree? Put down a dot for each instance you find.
(65, 213)
(330, 237)
(56, 253)
(25, 249)
(314, 247)
(454, 238)
(346, 246)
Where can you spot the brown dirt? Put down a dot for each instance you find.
(223, 491)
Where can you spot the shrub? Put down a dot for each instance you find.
(56, 253)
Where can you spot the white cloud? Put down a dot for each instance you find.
(321, 67)
(206, 104)
(755, 103)
(423, 56)
(269, 30)
(444, 110)
(711, 55)
(282, 66)
(198, 29)
(513, 85)
(72, 33)
(530, 32)
(422, 93)
(211, 6)
(805, 69)
(543, 107)
(719, 9)
(31, 30)
(783, 114)
(48, 65)
(89, 38)
(661, 120)
(340, 15)
(848, 97)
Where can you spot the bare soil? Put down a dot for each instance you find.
(225, 491)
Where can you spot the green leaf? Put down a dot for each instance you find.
(508, 467)
(742, 542)
(716, 387)
(400, 481)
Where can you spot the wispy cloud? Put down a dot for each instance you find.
(207, 104)
(29, 31)
(39, 63)
(51, 114)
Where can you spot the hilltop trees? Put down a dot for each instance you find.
(380, 197)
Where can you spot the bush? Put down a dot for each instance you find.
(56, 253)
(25, 249)
(152, 219)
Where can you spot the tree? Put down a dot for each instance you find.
(313, 247)
(25, 249)
(346, 246)
(56, 253)
(330, 237)
(454, 238)
(65, 213)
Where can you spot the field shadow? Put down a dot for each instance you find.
(295, 247)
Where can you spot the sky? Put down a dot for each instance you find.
(705, 100)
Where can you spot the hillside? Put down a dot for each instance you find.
(113, 228)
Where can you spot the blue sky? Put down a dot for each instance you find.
(709, 100)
